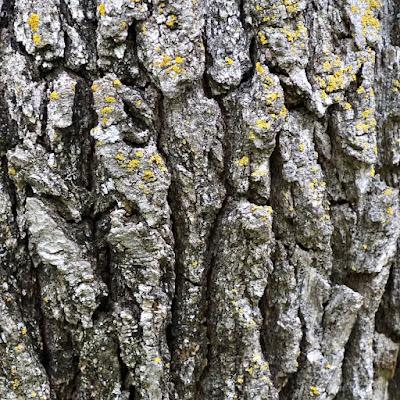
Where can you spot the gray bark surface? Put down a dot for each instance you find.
(199, 199)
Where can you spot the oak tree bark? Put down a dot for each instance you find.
(199, 199)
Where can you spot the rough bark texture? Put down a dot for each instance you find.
(199, 199)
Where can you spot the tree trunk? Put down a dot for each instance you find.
(199, 199)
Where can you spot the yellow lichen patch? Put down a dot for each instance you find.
(139, 154)
(156, 159)
(355, 9)
(54, 95)
(19, 347)
(34, 21)
(361, 90)
(240, 380)
(180, 60)
(313, 183)
(335, 81)
(106, 110)
(256, 208)
(110, 99)
(24, 331)
(12, 171)
(250, 371)
(148, 175)
(120, 156)
(291, 6)
(321, 82)
(165, 61)
(104, 122)
(338, 63)
(244, 161)
(367, 113)
(123, 26)
(143, 27)
(327, 66)
(229, 60)
(164, 169)
(15, 384)
(258, 173)
(347, 106)
(157, 360)
(95, 87)
(324, 95)
(302, 147)
(256, 358)
(262, 38)
(365, 126)
(362, 127)
(102, 9)
(174, 68)
(171, 21)
(117, 83)
(368, 20)
(37, 39)
(390, 211)
(143, 188)
(314, 391)
(396, 85)
(138, 103)
(284, 112)
(132, 164)
(264, 366)
(252, 135)
(372, 171)
(373, 4)
(291, 35)
(263, 124)
(388, 192)
(272, 97)
(259, 68)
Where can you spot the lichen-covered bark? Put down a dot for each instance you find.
(199, 199)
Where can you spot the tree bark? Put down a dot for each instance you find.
(199, 199)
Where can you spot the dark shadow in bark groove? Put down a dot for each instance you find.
(213, 241)
(394, 383)
(9, 128)
(386, 309)
(212, 249)
(7, 13)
